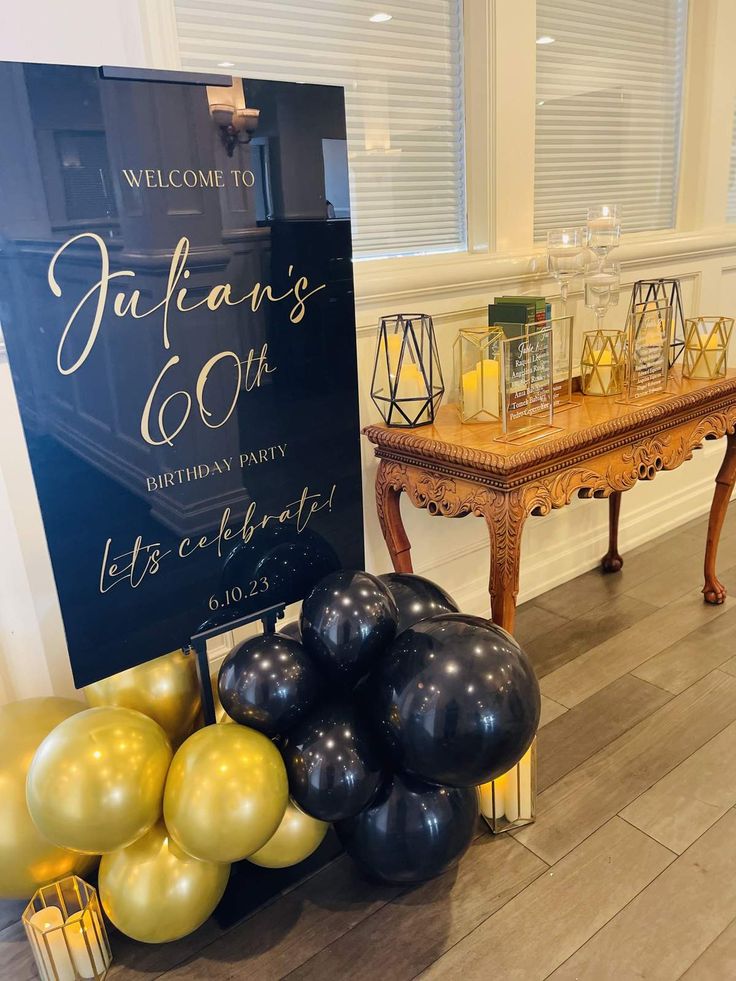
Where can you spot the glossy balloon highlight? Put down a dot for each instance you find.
(155, 893)
(226, 793)
(458, 702)
(295, 839)
(165, 689)
(96, 781)
(269, 683)
(333, 768)
(417, 598)
(412, 832)
(347, 621)
(28, 859)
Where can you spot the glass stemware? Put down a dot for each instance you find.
(602, 289)
(603, 229)
(565, 258)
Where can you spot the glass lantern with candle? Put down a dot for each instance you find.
(706, 347)
(603, 362)
(478, 373)
(64, 925)
(407, 385)
(510, 801)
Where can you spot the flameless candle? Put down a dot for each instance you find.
(413, 386)
(480, 388)
(706, 366)
(600, 380)
(78, 927)
(54, 953)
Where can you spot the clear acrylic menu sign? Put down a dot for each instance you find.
(176, 298)
(648, 347)
(527, 377)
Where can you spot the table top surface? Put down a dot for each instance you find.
(595, 425)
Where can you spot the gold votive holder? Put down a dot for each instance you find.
(706, 347)
(603, 362)
(510, 801)
(64, 926)
(477, 363)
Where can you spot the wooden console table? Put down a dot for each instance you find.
(603, 448)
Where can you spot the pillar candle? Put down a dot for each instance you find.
(706, 365)
(78, 927)
(600, 381)
(51, 945)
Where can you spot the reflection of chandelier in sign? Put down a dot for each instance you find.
(237, 123)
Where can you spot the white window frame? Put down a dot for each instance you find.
(500, 82)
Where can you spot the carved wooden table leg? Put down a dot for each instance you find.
(713, 590)
(612, 561)
(505, 515)
(388, 495)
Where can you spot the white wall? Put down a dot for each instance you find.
(455, 289)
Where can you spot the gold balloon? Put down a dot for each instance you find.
(27, 859)
(154, 892)
(295, 839)
(96, 782)
(226, 793)
(165, 689)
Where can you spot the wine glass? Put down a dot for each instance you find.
(565, 257)
(603, 229)
(602, 289)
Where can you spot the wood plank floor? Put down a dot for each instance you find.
(630, 869)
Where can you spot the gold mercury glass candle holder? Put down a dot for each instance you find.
(603, 362)
(477, 364)
(510, 801)
(706, 347)
(64, 925)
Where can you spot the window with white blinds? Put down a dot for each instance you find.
(609, 100)
(403, 91)
(731, 202)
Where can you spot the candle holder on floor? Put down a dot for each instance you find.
(407, 385)
(603, 362)
(510, 801)
(706, 347)
(64, 925)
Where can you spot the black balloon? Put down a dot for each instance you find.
(268, 683)
(417, 598)
(458, 702)
(292, 630)
(334, 771)
(290, 561)
(347, 622)
(413, 831)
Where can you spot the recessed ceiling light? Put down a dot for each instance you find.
(545, 39)
(541, 102)
(226, 64)
(380, 18)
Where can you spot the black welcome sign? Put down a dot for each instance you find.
(176, 298)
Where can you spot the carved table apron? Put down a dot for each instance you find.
(602, 449)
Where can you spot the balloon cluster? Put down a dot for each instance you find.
(379, 713)
(390, 707)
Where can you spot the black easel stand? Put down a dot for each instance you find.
(198, 643)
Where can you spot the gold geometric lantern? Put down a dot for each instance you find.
(478, 373)
(510, 801)
(64, 926)
(706, 347)
(603, 362)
